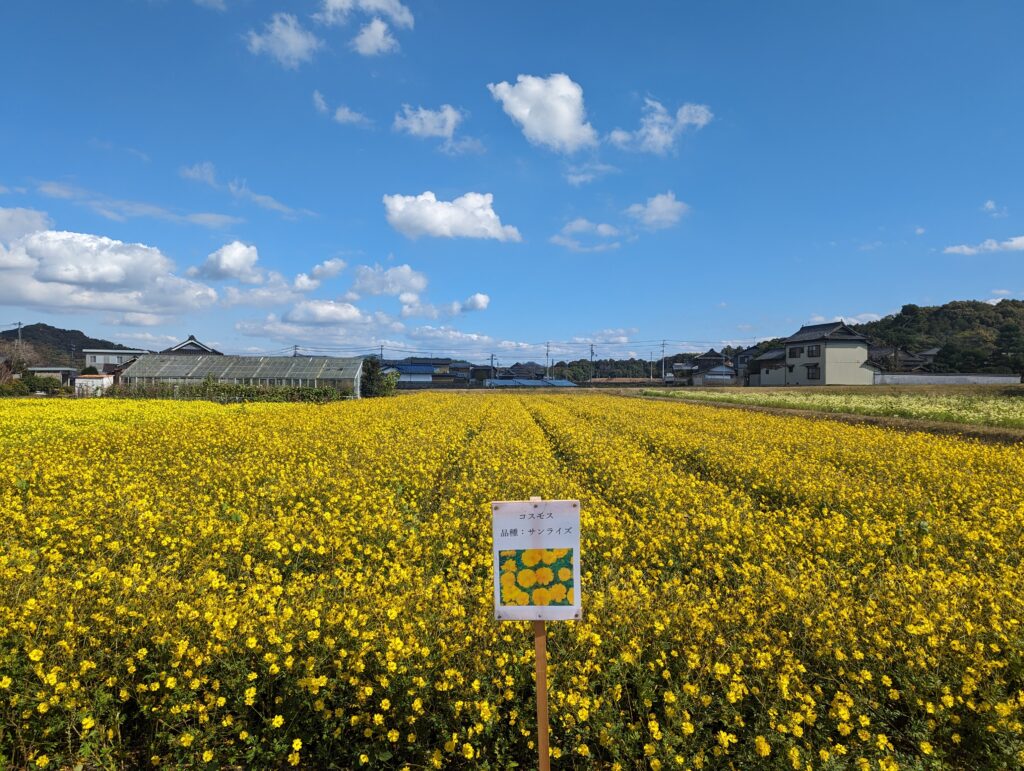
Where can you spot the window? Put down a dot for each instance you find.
(814, 372)
(796, 352)
(814, 351)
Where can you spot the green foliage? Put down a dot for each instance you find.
(374, 382)
(974, 336)
(211, 390)
(90, 371)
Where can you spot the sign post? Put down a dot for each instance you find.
(537, 578)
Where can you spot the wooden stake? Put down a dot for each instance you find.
(540, 648)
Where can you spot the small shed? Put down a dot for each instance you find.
(92, 385)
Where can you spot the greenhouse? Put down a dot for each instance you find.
(303, 371)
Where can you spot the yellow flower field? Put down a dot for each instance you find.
(266, 585)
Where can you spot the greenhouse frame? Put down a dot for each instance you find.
(302, 371)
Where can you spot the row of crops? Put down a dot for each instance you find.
(198, 585)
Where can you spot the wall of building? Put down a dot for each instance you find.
(922, 378)
(845, 364)
(795, 369)
(776, 376)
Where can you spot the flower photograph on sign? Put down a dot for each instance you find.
(537, 577)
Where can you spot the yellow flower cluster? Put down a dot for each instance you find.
(273, 585)
(537, 577)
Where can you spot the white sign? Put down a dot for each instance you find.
(536, 560)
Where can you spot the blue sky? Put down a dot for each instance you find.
(468, 178)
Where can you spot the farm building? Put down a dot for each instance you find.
(311, 371)
(64, 374)
(92, 385)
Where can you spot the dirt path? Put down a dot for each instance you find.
(988, 434)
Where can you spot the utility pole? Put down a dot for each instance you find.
(651, 359)
(663, 361)
(547, 359)
(382, 354)
(591, 361)
(493, 371)
(19, 336)
(295, 351)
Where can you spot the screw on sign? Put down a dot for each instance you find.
(537, 578)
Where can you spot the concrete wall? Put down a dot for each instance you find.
(923, 378)
(845, 364)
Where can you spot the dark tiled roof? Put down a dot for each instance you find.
(771, 354)
(835, 330)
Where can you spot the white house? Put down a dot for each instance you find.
(827, 354)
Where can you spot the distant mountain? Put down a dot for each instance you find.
(973, 336)
(56, 345)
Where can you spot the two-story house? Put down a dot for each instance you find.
(828, 354)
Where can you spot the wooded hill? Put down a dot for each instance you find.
(973, 336)
(54, 346)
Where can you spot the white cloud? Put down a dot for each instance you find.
(363, 330)
(286, 40)
(240, 189)
(659, 130)
(325, 312)
(1015, 244)
(549, 110)
(200, 172)
(319, 102)
(401, 279)
(206, 173)
(445, 334)
(618, 335)
(477, 302)
(660, 211)
(326, 269)
(568, 236)
(232, 261)
(119, 211)
(919, 231)
(422, 122)
(17, 222)
(441, 123)
(587, 172)
(469, 216)
(216, 5)
(138, 320)
(347, 116)
(337, 11)
(411, 306)
(993, 209)
(67, 271)
(276, 290)
(329, 268)
(375, 38)
(1002, 292)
